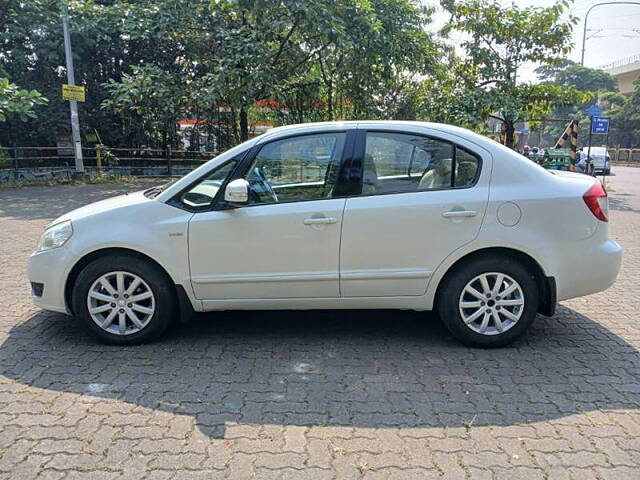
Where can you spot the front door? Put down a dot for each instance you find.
(422, 198)
(285, 242)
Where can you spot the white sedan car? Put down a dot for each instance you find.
(381, 215)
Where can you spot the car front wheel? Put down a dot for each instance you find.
(123, 299)
(488, 302)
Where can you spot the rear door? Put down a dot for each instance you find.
(422, 197)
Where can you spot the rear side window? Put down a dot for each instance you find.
(467, 168)
(398, 163)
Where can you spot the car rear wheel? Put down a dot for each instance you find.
(488, 301)
(123, 299)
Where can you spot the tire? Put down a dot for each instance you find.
(607, 171)
(454, 291)
(153, 312)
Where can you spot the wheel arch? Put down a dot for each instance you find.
(100, 253)
(546, 285)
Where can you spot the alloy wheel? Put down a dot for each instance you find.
(491, 303)
(121, 303)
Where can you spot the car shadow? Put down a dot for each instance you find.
(334, 368)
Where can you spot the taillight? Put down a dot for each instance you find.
(596, 200)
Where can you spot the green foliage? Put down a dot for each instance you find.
(5, 159)
(18, 102)
(567, 73)
(226, 64)
(625, 117)
(149, 63)
(149, 99)
(603, 91)
(498, 41)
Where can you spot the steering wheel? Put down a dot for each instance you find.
(264, 188)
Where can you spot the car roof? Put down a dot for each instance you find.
(355, 123)
(382, 124)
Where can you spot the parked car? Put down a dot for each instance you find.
(405, 215)
(601, 160)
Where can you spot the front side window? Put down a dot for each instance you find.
(295, 169)
(398, 163)
(200, 196)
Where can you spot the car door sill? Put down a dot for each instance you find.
(413, 302)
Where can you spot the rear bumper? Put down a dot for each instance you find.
(589, 269)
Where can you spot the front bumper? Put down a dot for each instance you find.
(49, 268)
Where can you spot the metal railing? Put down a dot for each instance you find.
(627, 156)
(621, 62)
(26, 163)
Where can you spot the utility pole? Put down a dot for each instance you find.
(586, 18)
(73, 105)
(589, 163)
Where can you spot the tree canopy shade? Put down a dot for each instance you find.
(497, 42)
(149, 63)
(225, 65)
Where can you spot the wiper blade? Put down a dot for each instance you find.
(158, 189)
(153, 192)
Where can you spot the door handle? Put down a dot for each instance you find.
(459, 213)
(320, 221)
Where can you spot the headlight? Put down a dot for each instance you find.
(55, 236)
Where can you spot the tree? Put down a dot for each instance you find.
(625, 117)
(567, 73)
(150, 98)
(498, 41)
(603, 88)
(17, 101)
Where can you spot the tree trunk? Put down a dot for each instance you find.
(510, 131)
(244, 125)
(330, 99)
(165, 137)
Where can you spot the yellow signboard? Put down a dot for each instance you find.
(73, 92)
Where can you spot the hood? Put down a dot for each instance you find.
(108, 204)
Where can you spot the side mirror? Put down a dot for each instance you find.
(237, 192)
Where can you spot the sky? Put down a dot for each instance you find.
(615, 30)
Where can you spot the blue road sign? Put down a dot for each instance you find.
(594, 111)
(600, 125)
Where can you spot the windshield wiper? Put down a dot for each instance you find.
(155, 191)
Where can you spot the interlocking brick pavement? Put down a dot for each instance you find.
(317, 395)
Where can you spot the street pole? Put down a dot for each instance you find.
(586, 17)
(73, 105)
(606, 154)
(589, 148)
